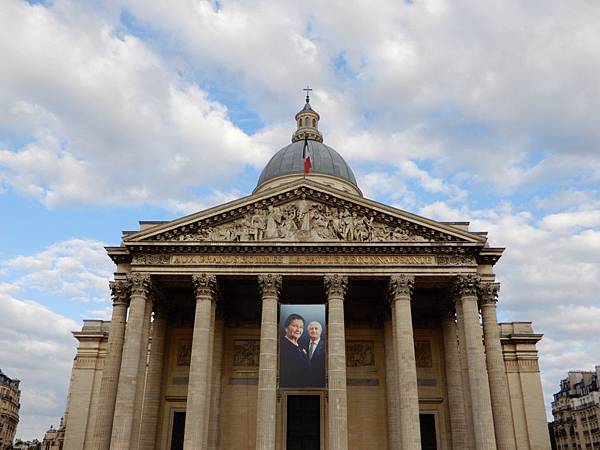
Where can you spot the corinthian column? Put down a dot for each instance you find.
(151, 405)
(130, 364)
(198, 393)
(501, 410)
(269, 285)
(391, 385)
(337, 417)
(481, 408)
(110, 375)
(454, 385)
(401, 287)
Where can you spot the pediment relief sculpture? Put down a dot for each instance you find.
(302, 221)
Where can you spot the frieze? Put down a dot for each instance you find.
(303, 220)
(246, 353)
(184, 352)
(360, 353)
(423, 356)
(301, 258)
(456, 260)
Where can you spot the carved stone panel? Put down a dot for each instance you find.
(184, 352)
(246, 353)
(360, 353)
(302, 220)
(423, 356)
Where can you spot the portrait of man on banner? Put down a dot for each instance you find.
(302, 347)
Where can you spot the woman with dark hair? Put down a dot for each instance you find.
(294, 365)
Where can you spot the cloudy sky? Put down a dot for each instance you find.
(118, 110)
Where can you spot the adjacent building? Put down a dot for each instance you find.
(9, 410)
(576, 411)
(400, 309)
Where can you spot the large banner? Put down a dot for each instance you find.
(302, 347)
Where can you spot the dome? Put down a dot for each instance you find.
(289, 160)
(326, 165)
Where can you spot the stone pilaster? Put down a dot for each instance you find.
(128, 380)
(481, 407)
(151, 407)
(500, 396)
(198, 388)
(401, 287)
(391, 386)
(120, 291)
(270, 286)
(454, 384)
(337, 407)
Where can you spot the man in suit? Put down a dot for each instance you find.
(316, 354)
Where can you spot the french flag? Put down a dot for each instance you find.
(306, 156)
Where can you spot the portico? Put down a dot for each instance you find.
(409, 364)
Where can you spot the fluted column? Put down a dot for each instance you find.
(337, 408)
(215, 396)
(151, 408)
(198, 393)
(142, 383)
(401, 287)
(454, 385)
(391, 386)
(130, 364)
(464, 371)
(500, 396)
(481, 407)
(211, 343)
(120, 291)
(269, 285)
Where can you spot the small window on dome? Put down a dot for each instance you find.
(314, 122)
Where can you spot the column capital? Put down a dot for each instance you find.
(466, 285)
(205, 284)
(120, 291)
(141, 283)
(269, 284)
(401, 286)
(336, 284)
(488, 293)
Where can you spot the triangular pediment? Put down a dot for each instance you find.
(304, 211)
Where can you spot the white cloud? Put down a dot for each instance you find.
(36, 346)
(108, 120)
(76, 268)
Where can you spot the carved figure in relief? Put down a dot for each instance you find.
(303, 220)
(274, 217)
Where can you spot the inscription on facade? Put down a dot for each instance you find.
(423, 354)
(396, 260)
(246, 352)
(360, 353)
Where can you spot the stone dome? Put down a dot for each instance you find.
(327, 165)
(289, 160)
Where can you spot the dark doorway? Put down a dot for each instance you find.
(178, 430)
(303, 422)
(428, 437)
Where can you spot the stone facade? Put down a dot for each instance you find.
(409, 363)
(54, 438)
(9, 410)
(576, 410)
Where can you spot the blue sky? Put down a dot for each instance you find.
(114, 112)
